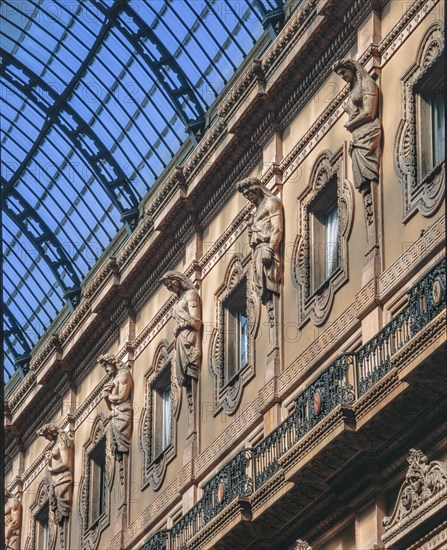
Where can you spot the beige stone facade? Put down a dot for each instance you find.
(297, 432)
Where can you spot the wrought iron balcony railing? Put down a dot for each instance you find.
(344, 381)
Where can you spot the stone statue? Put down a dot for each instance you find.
(187, 312)
(361, 107)
(60, 466)
(13, 522)
(265, 230)
(117, 394)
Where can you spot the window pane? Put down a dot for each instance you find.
(166, 429)
(331, 241)
(243, 340)
(438, 127)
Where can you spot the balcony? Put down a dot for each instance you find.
(344, 383)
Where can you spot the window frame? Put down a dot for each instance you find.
(327, 187)
(160, 376)
(229, 386)
(422, 182)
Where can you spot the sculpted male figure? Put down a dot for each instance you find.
(117, 394)
(13, 520)
(60, 466)
(265, 232)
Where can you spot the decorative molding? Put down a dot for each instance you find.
(227, 396)
(414, 256)
(435, 540)
(91, 533)
(410, 21)
(42, 501)
(423, 195)
(423, 493)
(327, 171)
(154, 467)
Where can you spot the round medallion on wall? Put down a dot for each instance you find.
(436, 291)
(221, 492)
(317, 402)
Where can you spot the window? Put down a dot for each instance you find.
(159, 417)
(231, 355)
(420, 141)
(42, 528)
(94, 487)
(162, 413)
(97, 481)
(236, 333)
(431, 121)
(320, 253)
(324, 220)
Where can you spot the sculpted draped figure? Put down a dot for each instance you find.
(363, 123)
(117, 394)
(13, 521)
(265, 229)
(187, 312)
(60, 466)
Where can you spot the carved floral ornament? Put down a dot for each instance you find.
(227, 396)
(420, 194)
(424, 488)
(154, 467)
(328, 170)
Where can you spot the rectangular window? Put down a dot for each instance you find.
(324, 231)
(97, 481)
(431, 122)
(42, 529)
(236, 333)
(162, 407)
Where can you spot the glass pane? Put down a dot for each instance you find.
(166, 429)
(438, 127)
(243, 340)
(331, 241)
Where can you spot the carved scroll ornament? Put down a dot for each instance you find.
(424, 487)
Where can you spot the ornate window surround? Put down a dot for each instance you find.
(328, 169)
(41, 501)
(154, 467)
(418, 194)
(90, 534)
(227, 395)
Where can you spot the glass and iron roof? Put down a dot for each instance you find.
(97, 97)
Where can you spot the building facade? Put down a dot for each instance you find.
(262, 363)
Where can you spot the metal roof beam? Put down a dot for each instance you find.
(44, 242)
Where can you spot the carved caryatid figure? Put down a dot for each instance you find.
(187, 312)
(265, 230)
(13, 522)
(60, 466)
(117, 394)
(361, 106)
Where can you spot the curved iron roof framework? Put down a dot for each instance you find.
(97, 98)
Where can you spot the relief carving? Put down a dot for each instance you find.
(424, 487)
(265, 233)
(117, 393)
(316, 303)
(227, 394)
(13, 522)
(301, 545)
(187, 312)
(92, 527)
(361, 105)
(265, 230)
(60, 467)
(423, 194)
(154, 467)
